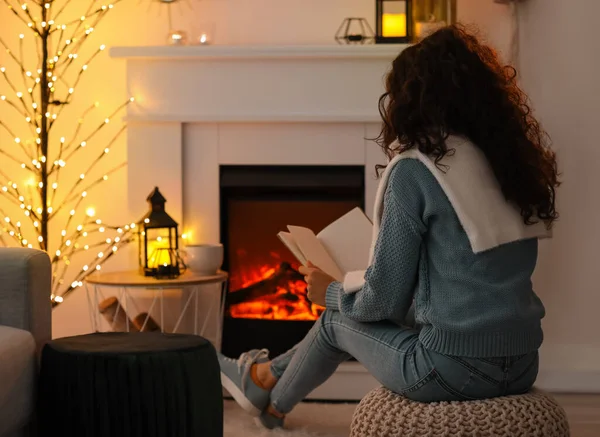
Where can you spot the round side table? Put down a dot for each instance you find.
(127, 282)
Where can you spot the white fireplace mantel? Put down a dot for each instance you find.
(318, 103)
(367, 51)
(256, 83)
(197, 108)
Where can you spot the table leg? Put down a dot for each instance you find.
(224, 288)
(162, 311)
(154, 299)
(112, 326)
(196, 312)
(126, 310)
(97, 308)
(185, 307)
(90, 307)
(206, 318)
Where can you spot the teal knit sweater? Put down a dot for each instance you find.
(472, 305)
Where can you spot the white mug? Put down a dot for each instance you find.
(204, 259)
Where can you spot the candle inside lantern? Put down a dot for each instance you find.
(158, 251)
(393, 25)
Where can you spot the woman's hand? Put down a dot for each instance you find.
(317, 281)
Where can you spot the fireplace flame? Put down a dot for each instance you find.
(271, 293)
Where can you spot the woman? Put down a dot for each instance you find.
(467, 193)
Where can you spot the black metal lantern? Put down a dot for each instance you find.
(393, 20)
(159, 240)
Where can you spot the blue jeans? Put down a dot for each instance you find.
(394, 355)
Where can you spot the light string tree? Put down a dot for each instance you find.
(43, 201)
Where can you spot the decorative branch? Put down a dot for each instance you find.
(40, 104)
(20, 17)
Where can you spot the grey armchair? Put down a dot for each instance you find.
(25, 326)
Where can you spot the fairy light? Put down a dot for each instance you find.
(29, 199)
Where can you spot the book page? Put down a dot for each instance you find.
(289, 242)
(348, 240)
(313, 251)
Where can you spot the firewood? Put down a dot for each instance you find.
(115, 314)
(280, 279)
(151, 325)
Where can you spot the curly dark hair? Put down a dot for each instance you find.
(451, 84)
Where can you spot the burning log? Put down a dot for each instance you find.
(282, 277)
(281, 295)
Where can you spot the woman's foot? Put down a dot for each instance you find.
(239, 378)
(271, 418)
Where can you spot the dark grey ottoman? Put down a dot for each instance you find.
(130, 384)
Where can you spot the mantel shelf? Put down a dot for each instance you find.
(371, 51)
(254, 118)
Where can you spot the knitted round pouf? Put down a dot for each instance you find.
(383, 413)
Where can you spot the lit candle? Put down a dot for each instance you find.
(177, 38)
(203, 39)
(393, 25)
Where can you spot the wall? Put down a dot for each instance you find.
(237, 22)
(560, 64)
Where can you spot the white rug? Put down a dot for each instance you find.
(307, 420)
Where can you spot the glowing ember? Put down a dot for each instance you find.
(273, 293)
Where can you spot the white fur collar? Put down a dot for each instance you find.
(471, 187)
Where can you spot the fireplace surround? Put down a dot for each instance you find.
(200, 110)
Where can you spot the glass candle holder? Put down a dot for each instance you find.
(205, 33)
(177, 38)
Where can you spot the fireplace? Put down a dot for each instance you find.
(266, 304)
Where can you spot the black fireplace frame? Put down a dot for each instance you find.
(278, 183)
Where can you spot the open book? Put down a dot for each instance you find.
(342, 247)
